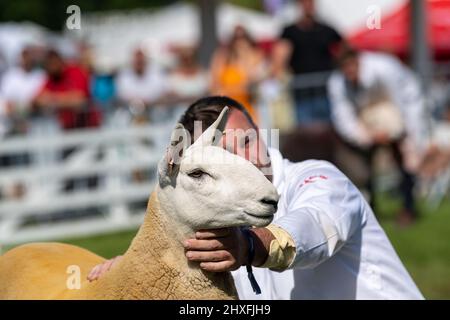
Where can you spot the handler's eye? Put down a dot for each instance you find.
(196, 174)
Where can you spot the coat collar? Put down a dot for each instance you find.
(276, 160)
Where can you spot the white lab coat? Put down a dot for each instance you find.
(341, 250)
(400, 85)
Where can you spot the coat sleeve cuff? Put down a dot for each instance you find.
(282, 249)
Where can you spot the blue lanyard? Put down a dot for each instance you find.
(251, 256)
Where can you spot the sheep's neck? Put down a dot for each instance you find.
(154, 267)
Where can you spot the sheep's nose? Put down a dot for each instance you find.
(270, 202)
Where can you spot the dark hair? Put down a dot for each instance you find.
(231, 51)
(345, 54)
(241, 33)
(53, 53)
(207, 110)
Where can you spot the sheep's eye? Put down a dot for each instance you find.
(196, 174)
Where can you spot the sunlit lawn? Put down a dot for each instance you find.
(424, 247)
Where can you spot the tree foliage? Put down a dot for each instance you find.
(52, 14)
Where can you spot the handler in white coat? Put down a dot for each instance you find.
(367, 78)
(341, 252)
(377, 101)
(324, 242)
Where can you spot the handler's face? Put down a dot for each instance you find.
(243, 139)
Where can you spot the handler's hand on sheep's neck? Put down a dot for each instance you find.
(221, 250)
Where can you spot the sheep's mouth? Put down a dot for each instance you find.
(260, 216)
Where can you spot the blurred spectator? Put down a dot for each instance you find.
(18, 88)
(3, 117)
(103, 88)
(141, 86)
(102, 76)
(377, 101)
(435, 161)
(85, 57)
(274, 95)
(67, 93)
(307, 47)
(437, 157)
(236, 69)
(188, 81)
(3, 65)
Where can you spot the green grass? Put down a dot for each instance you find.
(108, 246)
(424, 247)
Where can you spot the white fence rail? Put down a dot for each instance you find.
(116, 156)
(112, 156)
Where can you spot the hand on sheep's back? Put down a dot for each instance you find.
(100, 269)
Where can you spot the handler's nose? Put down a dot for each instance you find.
(270, 202)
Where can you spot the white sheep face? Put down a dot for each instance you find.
(209, 187)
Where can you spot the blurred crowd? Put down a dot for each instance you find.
(310, 81)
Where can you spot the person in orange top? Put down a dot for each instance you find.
(236, 68)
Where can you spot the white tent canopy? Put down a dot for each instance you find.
(15, 36)
(348, 16)
(114, 35)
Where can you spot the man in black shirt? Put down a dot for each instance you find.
(307, 47)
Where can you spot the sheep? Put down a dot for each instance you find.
(201, 186)
(383, 116)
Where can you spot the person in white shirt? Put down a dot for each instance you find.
(324, 241)
(187, 81)
(143, 85)
(3, 117)
(377, 101)
(19, 86)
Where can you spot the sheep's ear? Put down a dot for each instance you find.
(212, 135)
(179, 142)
